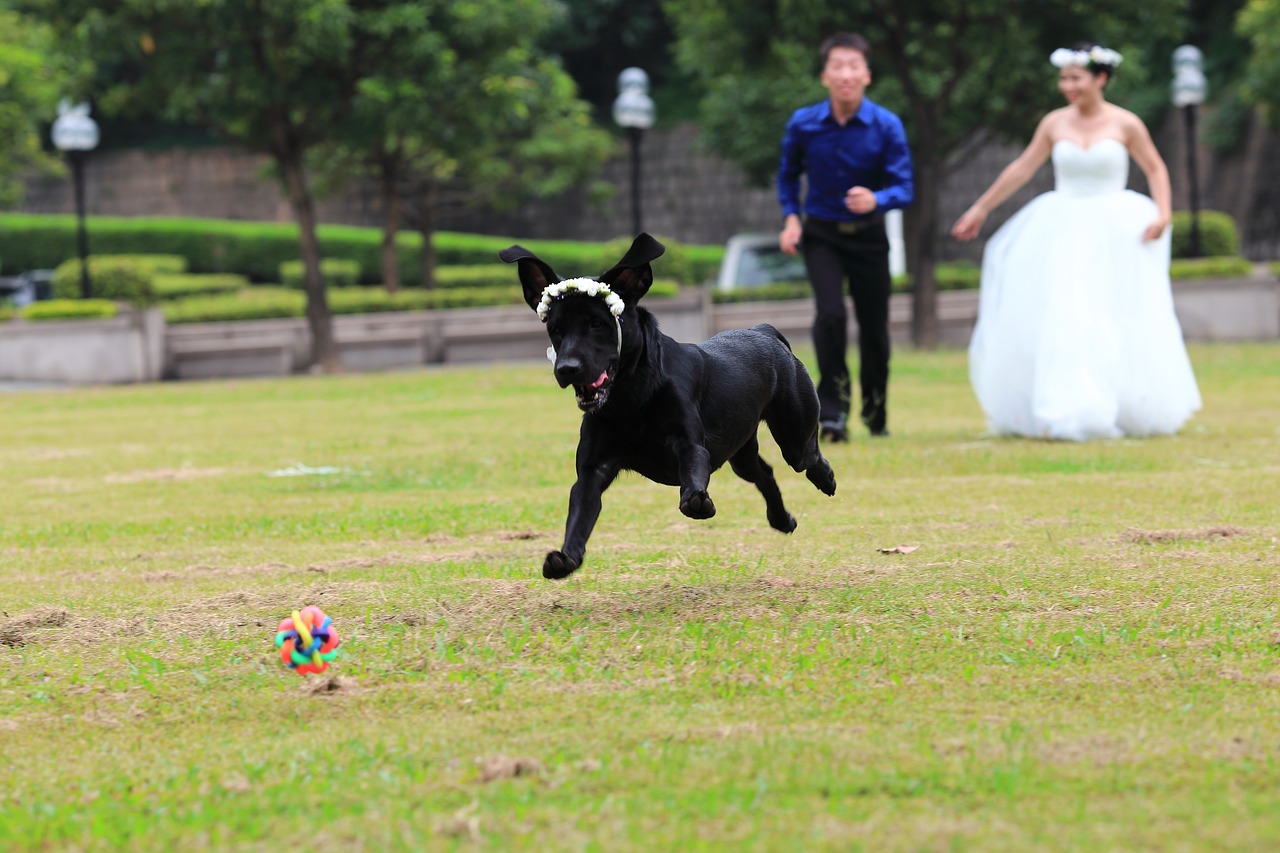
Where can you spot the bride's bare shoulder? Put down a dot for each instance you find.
(1052, 123)
(1130, 126)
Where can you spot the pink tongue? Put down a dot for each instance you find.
(603, 376)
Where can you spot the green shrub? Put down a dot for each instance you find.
(704, 262)
(186, 285)
(7, 312)
(109, 278)
(1218, 234)
(776, 291)
(478, 275)
(335, 272)
(1275, 268)
(370, 300)
(256, 249)
(157, 264)
(254, 303)
(1230, 266)
(69, 309)
(266, 302)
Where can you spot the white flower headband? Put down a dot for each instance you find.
(585, 286)
(1062, 57)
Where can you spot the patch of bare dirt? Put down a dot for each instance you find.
(497, 767)
(1225, 531)
(518, 535)
(1096, 750)
(19, 630)
(330, 685)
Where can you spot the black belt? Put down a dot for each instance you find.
(853, 226)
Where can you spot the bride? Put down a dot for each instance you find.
(1076, 336)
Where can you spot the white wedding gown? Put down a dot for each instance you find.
(1076, 337)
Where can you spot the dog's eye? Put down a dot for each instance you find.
(597, 323)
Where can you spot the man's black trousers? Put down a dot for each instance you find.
(856, 252)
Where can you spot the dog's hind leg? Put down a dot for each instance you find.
(748, 465)
(792, 417)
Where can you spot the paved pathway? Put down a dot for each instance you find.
(11, 385)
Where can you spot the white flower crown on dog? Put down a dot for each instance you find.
(1062, 57)
(585, 286)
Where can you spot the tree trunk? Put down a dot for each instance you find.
(426, 227)
(921, 247)
(324, 349)
(390, 226)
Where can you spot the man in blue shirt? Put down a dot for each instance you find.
(854, 155)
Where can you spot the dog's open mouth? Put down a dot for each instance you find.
(591, 397)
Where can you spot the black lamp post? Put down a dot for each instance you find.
(633, 110)
(1187, 92)
(76, 134)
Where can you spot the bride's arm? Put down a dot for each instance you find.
(1012, 179)
(1144, 153)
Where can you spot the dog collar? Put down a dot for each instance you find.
(586, 287)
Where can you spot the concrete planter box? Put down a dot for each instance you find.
(1234, 309)
(387, 341)
(126, 348)
(137, 347)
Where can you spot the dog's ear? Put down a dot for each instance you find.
(535, 275)
(630, 277)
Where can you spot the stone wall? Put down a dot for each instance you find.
(686, 193)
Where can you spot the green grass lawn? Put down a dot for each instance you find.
(1081, 652)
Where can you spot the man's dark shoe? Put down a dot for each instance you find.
(875, 416)
(882, 433)
(833, 431)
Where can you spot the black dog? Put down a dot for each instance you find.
(672, 412)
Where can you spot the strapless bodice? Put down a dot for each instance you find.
(1103, 167)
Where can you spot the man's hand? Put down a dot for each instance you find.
(789, 238)
(860, 200)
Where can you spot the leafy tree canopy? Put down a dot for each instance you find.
(33, 78)
(1259, 23)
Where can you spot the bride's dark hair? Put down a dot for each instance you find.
(1095, 68)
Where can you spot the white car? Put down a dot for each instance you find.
(752, 260)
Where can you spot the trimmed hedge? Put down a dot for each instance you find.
(186, 285)
(1219, 235)
(334, 272)
(1230, 266)
(70, 309)
(110, 277)
(157, 264)
(479, 275)
(256, 249)
(959, 275)
(267, 302)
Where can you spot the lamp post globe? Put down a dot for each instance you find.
(1188, 91)
(75, 134)
(633, 111)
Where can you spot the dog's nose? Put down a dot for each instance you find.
(567, 370)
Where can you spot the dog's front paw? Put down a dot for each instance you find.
(559, 565)
(823, 477)
(784, 521)
(697, 505)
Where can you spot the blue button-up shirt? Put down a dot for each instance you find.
(870, 151)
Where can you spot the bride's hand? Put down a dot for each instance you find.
(969, 224)
(1155, 229)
